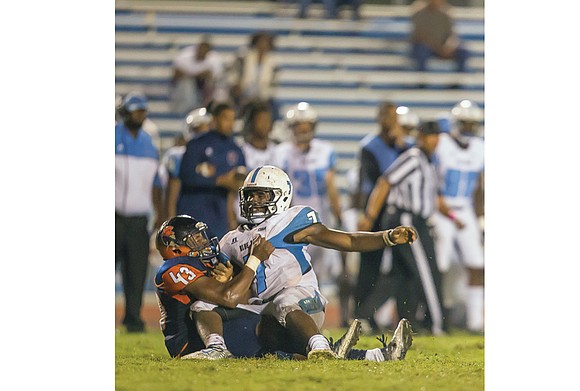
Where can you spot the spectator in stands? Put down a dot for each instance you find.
(433, 35)
(213, 165)
(331, 8)
(198, 77)
(254, 71)
(378, 151)
(137, 199)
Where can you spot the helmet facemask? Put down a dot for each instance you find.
(301, 115)
(255, 207)
(190, 240)
(200, 244)
(468, 118)
(303, 132)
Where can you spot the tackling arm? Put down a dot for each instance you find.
(237, 290)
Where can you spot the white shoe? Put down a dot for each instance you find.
(400, 343)
(345, 343)
(211, 353)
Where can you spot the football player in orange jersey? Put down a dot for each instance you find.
(187, 275)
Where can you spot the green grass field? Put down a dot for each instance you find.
(454, 362)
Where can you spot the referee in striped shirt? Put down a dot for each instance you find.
(410, 187)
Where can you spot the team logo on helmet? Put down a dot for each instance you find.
(168, 236)
(184, 235)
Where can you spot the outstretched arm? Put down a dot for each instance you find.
(320, 235)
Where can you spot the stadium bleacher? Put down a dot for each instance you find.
(343, 68)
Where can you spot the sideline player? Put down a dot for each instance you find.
(196, 123)
(286, 286)
(459, 159)
(311, 166)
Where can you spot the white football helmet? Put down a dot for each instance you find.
(272, 180)
(467, 117)
(298, 114)
(302, 112)
(467, 110)
(407, 118)
(193, 120)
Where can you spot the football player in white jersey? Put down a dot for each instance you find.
(286, 286)
(460, 163)
(311, 165)
(196, 122)
(258, 148)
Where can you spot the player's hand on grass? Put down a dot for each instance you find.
(223, 273)
(261, 248)
(403, 235)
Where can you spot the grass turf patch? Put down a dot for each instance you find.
(454, 362)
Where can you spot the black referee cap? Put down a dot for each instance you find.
(429, 127)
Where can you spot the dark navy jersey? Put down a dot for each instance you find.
(376, 157)
(199, 196)
(171, 278)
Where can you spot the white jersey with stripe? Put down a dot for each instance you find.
(256, 157)
(459, 169)
(289, 265)
(308, 172)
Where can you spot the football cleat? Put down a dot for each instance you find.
(213, 352)
(400, 343)
(345, 343)
(322, 354)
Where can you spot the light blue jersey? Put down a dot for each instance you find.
(136, 166)
(308, 172)
(289, 265)
(459, 169)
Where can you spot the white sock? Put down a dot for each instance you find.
(374, 355)
(474, 308)
(215, 339)
(317, 342)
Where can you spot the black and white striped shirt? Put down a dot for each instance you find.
(413, 181)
